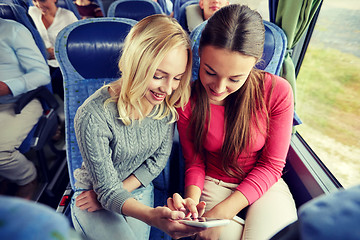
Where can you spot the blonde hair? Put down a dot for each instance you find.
(144, 48)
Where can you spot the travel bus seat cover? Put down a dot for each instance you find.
(333, 216)
(22, 219)
(134, 9)
(83, 70)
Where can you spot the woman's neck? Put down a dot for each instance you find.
(48, 17)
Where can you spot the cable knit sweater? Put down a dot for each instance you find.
(112, 151)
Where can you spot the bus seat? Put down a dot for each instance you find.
(134, 9)
(69, 5)
(181, 15)
(37, 221)
(330, 216)
(42, 132)
(88, 52)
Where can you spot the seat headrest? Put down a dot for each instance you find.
(94, 49)
(134, 9)
(7, 12)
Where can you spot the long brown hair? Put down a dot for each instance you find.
(236, 28)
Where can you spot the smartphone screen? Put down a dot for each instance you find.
(204, 222)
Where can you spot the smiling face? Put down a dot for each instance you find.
(223, 72)
(167, 76)
(209, 7)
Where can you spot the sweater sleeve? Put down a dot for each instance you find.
(94, 137)
(194, 163)
(269, 166)
(152, 167)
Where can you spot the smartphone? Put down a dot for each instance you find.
(204, 222)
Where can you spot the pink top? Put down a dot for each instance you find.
(262, 170)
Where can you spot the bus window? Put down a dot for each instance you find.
(328, 90)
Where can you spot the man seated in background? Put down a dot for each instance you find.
(23, 68)
(198, 13)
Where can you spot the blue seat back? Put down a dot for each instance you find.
(134, 9)
(274, 48)
(88, 52)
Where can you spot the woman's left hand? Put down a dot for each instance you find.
(87, 200)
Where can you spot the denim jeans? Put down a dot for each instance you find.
(104, 224)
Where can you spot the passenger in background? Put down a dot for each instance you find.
(88, 9)
(197, 13)
(49, 21)
(125, 134)
(168, 8)
(235, 132)
(22, 68)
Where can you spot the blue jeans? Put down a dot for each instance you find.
(104, 224)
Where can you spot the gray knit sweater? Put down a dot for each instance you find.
(112, 151)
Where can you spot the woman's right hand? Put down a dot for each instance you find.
(87, 200)
(51, 53)
(187, 205)
(165, 219)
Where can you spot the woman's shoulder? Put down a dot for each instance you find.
(277, 89)
(96, 101)
(276, 83)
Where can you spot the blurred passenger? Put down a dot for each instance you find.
(197, 13)
(23, 68)
(50, 20)
(88, 9)
(167, 6)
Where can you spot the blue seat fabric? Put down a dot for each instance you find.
(88, 61)
(134, 9)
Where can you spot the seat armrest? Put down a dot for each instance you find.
(41, 93)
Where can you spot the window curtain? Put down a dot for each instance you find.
(293, 17)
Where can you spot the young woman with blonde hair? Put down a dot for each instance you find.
(125, 131)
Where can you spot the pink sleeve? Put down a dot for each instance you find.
(269, 167)
(194, 165)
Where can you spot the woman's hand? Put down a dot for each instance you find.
(210, 233)
(187, 205)
(87, 200)
(166, 220)
(51, 53)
